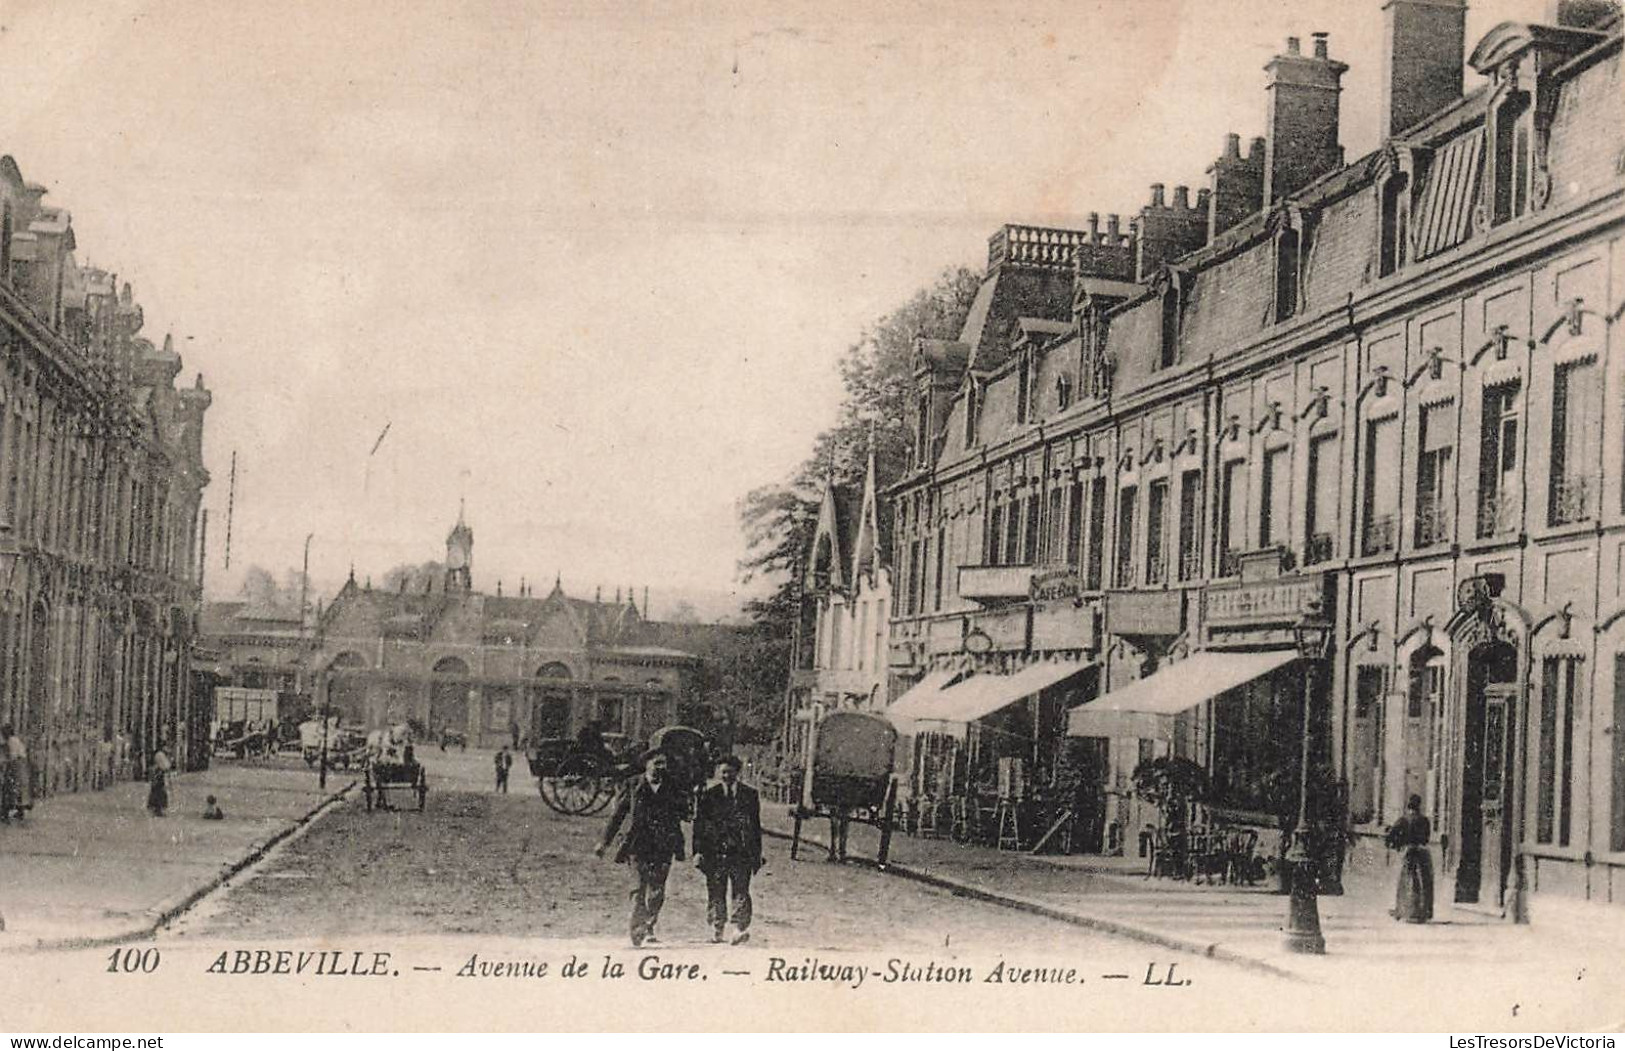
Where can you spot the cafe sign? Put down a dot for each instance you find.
(1268, 601)
(1055, 585)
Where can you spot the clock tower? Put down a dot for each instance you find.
(459, 555)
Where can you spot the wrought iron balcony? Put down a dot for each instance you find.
(1320, 548)
(1190, 564)
(1156, 570)
(1497, 513)
(1432, 523)
(1229, 563)
(1379, 535)
(1571, 500)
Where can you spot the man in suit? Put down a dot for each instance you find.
(652, 808)
(728, 848)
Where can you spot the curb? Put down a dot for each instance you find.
(166, 911)
(1210, 950)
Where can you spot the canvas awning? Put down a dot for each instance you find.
(1181, 686)
(919, 699)
(980, 696)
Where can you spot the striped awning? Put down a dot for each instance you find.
(1444, 216)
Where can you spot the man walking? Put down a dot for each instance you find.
(728, 848)
(504, 762)
(652, 808)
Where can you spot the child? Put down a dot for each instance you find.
(212, 811)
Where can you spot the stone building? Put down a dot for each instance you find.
(1382, 393)
(101, 476)
(494, 667)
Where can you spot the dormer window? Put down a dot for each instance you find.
(1510, 148)
(971, 408)
(1287, 250)
(1396, 217)
(922, 431)
(1169, 355)
(1024, 370)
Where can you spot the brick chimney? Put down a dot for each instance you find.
(1424, 48)
(1301, 126)
(1236, 185)
(1168, 231)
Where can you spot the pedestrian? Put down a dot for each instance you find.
(1413, 899)
(158, 783)
(728, 848)
(504, 763)
(14, 775)
(652, 807)
(212, 811)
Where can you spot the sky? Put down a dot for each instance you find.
(594, 264)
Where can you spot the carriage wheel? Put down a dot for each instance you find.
(570, 794)
(606, 795)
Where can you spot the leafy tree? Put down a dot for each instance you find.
(778, 519)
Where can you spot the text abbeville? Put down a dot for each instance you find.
(334, 964)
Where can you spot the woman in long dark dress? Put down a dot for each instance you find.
(1413, 901)
(158, 780)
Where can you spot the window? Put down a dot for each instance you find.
(1012, 533)
(1274, 504)
(1170, 328)
(1286, 274)
(1063, 392)
(995, 535)
(1232, 524)
(1074, 525)
(1498, 462)
(1396, 215)
(942, 549)
(1257, 735)
(1381, 488)
(1434, 484)
(1055, 527)
(1511, 158)
(922, 422)
(1320, 512)
(1574, 442)
(1190, 525)
(1097, 533)
(1554, 777)
(1616, 744)
(1125, 535)
(1024, 387)
(971, 409)
(1156, 527)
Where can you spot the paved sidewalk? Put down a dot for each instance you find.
(1240, 924)
(89, 868)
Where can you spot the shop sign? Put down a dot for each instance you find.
(1280, 600)
(1143, 612)
(1065, 627)
(1056, 584)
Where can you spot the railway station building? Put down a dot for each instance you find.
(1384, 396)
(497, 669)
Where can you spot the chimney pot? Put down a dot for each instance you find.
(1182, 197)
(1255, 149)
(1232, 147)
(1320, 44)
(1293, 47)
(1094, 226)
(1113, 228)
(1202, 197)
(1156, 194)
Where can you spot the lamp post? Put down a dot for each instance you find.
(1312, 635)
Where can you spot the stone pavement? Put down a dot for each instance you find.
(1238, 923)
(91, 868)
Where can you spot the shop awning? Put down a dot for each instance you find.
(1174, 689)
(980, 696)
(919, 699)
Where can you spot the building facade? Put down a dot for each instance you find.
(1386, 394)
(496, 668)
(101, 478)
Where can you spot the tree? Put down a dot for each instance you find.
(877, 375)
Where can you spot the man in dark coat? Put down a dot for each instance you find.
(728, 848)
(652, 808)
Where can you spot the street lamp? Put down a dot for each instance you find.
(1313, 636)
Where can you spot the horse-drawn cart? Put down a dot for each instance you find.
(849, 779)
(577, 777)
(381, 775)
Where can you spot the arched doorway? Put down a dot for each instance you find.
(347, 688)
(448, 697)
(550, 705)
(1488, 774)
